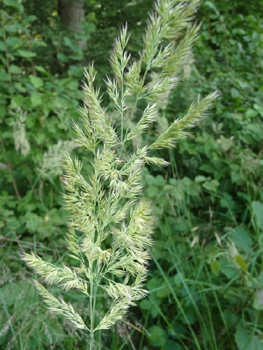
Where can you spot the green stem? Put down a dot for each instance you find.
(93, 297)
(134, 108)
(91, 318)
(132, 113)
(100, 339)
(121, 106)
(95, 274)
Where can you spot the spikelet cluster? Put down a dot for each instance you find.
(19, 130)
(51, 163)
(110, 228)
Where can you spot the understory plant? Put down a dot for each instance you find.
(110, 226)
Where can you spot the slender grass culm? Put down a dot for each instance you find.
(110, 228)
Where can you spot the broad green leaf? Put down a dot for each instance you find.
(259, 109)
(173, 182)
(11, 3)
(18, 99)
(32, 221)
(42, 70)
(159, 181)
(213, 7)
(2, 111)
(30, 19)
(2, 46)
(210, 252)
(62, 57)
(164, 291)
(228, 268)
(230, 318)
(67, 41)
(172, 345)
(15, 69)
(241, 262)
(77, 57)
(30, 207)
(190, 318)
(74, 71)
(149, 179)
(211, 185)
(36, 99)
(64, 81)
(40, 43)
(13, 225)
(215, 267)
(19, 87)
(149, 304)
(207, 168)
(5, 76)
(37, 82)
(242, 239)
(154, 311)
(13, 27)
(152, 191)
(145, 304)
(7, 135)
(245, 341)
(26, 54)
(250, 113)
(234, 93)
(200, 178)
(153, 283)
(181, 225)
(40, 137)
(235, 176)
(31, 120)
(258, 212)
(190, 187)
(224, 203)
(73, 85)
(178, 278)
(12, 41)
(168, 188)
(157, 335)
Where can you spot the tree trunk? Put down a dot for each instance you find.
(72, 14)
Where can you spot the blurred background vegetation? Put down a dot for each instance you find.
(206, 277)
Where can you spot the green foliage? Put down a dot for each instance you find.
(210, 212)
(37, 103)
(34, 105)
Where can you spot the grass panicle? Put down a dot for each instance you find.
(110, 228)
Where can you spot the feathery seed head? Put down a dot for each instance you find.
(110, 228)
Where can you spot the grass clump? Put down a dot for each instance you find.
(110, 227)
